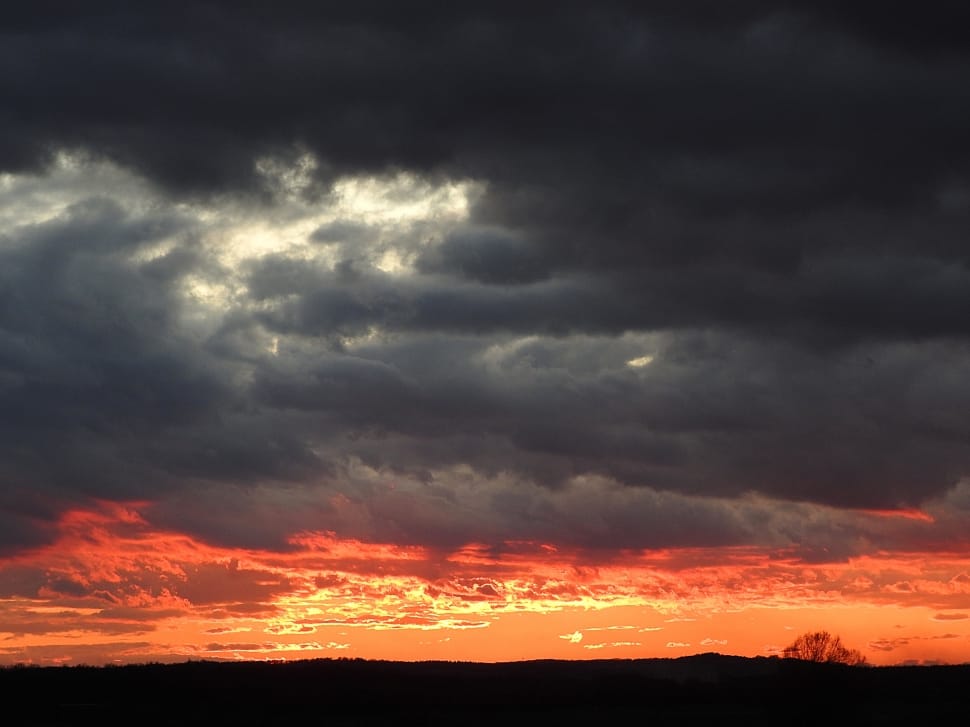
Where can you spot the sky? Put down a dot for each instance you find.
(483, 331)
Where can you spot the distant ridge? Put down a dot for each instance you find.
(701, 689)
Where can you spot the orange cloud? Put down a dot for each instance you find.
(114, 587)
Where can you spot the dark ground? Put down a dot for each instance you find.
(708, 689)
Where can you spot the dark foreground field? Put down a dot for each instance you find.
(708, 689)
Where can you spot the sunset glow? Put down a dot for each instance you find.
(113, 588)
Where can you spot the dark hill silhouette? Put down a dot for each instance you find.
(710, 689)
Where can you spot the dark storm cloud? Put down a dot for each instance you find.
(832, 299)
(103, 389)
(778, 192)
(712, 414)
(820, 98)
(485, 256)
(89, 345)
(610, 132)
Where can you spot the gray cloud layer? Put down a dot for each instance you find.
(765, 203)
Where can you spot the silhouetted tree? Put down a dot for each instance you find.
(821, 646)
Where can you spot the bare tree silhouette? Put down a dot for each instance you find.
(821, 646)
